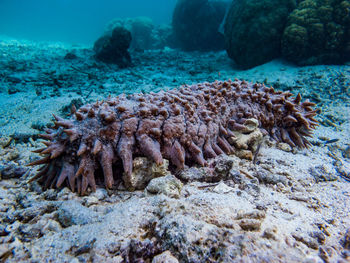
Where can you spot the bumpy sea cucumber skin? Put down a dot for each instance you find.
(192, 124)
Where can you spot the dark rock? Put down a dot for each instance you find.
(113, 47)
(236, 177)
(23, 137)
(252, 189)
(35, 210)
(223, 165)
(3, 231)
(196, 24)
(50, 194)
(140, 251)
(318, 32)
(14, 79)
(77, 103)
(85, 248)
(266, 177)
(29, 231)
(253, 30)
(12, 171)
(219, 170)
(250, 224)
(70, 56)
(36, 187)
(13, 90)
(193, 174)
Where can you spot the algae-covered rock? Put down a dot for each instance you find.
(318, 31)
(196, 24)
(144, 170)
(113, 47)
(168, 185)
(253, 30)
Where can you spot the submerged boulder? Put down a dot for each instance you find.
(253, 30)
(318, 31)
(196, 24)
(113, 47)
(145, 34)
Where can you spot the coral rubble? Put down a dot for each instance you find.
(191, 124)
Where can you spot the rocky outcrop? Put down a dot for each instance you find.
(145, 34)
(304, 32)
(253, 30)
(113, 47)
(196, 24)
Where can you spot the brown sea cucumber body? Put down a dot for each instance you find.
(189, 124)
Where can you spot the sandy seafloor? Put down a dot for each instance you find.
(292, 206)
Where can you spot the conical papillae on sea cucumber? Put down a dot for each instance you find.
(189, 124)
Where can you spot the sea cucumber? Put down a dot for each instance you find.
(189, 124)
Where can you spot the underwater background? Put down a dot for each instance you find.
(73, 21)
(266, 201)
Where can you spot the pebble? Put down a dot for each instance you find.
(144, 171)
(250, 224)
(223, 165)
(244, 154)
(299, 197)
(73, 213)
(222, 188)
(168, 185)
(256, 214)
(250, 125)
(248, 141)
(267, 177)
(284, 147)
(5, 141)
(270, 233)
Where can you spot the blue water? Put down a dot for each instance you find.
(74, 21)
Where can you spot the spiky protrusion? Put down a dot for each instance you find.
(189, 125)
